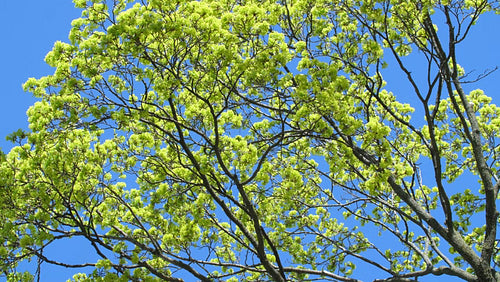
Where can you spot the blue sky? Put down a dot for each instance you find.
(29, 28)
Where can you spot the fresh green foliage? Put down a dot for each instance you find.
(257, 140)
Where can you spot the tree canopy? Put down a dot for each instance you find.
(256, 140)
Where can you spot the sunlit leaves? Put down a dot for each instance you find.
(221, 139)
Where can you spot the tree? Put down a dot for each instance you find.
(257, 140)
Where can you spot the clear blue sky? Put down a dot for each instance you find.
(29, 28)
